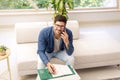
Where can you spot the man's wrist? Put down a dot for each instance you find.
(48, 64)
(66, 44)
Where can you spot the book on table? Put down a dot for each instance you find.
(61, 71)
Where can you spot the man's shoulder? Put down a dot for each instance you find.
(46, 29)
(68, 30)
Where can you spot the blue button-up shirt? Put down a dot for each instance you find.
(46, 43)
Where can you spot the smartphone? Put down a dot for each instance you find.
(62, 31)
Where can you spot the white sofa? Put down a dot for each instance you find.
(92, 49)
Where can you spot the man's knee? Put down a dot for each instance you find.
(70, 60)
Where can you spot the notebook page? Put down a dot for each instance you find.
(61, 70)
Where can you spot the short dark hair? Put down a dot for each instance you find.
(60, 18)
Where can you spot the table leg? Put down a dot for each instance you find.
(9, 68)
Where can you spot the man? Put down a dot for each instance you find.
(55, 41)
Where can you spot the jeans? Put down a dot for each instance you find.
(62, 55)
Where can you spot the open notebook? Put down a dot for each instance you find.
(61, 71)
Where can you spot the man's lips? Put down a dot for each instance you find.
(59, 32)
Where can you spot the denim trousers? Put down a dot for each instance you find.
(62, 55)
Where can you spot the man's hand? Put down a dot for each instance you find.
(51, 68)
(64, 36)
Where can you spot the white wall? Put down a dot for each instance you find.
(96, 16)
(10, 20)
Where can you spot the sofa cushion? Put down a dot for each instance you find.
(95, 47)
(27, 56)
(28, 32)
(73, 25)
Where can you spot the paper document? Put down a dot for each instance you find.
(61, 70)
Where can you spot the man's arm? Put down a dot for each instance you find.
(68, 40)
(41, 47)
(41, 51)
(64, 36)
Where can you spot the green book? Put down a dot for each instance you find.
(45, 75)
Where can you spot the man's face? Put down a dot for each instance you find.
(59, 27)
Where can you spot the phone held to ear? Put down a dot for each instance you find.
(62, 31)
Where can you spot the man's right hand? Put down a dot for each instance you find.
(51, 68)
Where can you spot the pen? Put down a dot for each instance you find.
(53, 69)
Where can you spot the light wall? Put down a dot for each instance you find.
(96, 16)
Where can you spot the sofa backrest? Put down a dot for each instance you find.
(28, 32)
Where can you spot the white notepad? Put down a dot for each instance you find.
(61, 70)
